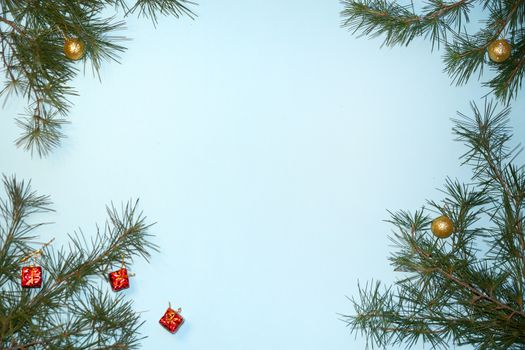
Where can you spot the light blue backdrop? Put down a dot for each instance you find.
(267, 144)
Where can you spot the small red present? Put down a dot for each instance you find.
(31, 277)
(119, 279)
(172, 320)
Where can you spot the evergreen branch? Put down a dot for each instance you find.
(15, 233)
(41, 130)
(487, 135)
(400, 24)
(40, 134)
(11, 24)
(70, 311)
(126, 237)
(151, 8)
(465, 53)
(384, 322)
(26, 346)
(451, 290)
(464, 57)
(445, 9)
(7, 64)
(500, 23)
(479, 294)
(32, 36)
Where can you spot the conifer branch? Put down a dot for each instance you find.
(71, 310)
(32, 39)
(26, 346)
(444, 23)
(11, 24)
(480, 295)
(452, 290)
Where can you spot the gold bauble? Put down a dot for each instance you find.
(74, 48)
(499, 50)
(442, 227)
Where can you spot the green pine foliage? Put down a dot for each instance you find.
(32, 56)
(446, 24)
(73, 309)
(468, 288)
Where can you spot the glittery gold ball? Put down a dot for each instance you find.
(74, 48)
(442, 227)
(499, 50)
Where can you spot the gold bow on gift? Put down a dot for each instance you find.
(173, 315)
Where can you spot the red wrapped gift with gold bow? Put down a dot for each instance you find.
(31, 277)
(172, 320)
(119, 279)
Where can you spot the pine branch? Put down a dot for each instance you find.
(491, 160)
(72, 310)
(15, 231)
(444, 23)
(26, 346)
(479, 294)
(451, 289)
(32, 37)
(11, 24)
(152, 8)
(400, 24)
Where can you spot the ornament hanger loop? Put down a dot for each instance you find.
(179, 310)
(36, 253)
(124, 266)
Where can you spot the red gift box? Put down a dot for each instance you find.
(119, 279)
(31, 277)
(172, 320)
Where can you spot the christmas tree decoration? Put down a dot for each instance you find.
(499, 50)
(442, 227)
(31, 277)
(172, 319)
(74, 48)
(72, 310)
(38, 69)
(119, 279)
(466, 292)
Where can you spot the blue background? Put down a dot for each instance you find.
(267, 143)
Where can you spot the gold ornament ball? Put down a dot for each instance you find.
(442, 227)
(499, 50)
(74, 48)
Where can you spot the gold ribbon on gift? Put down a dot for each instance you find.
(172, 315)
